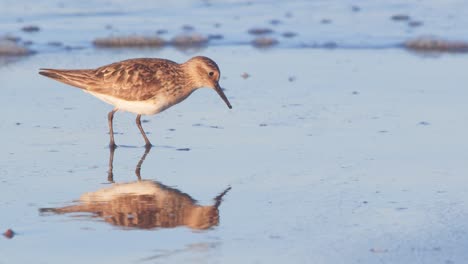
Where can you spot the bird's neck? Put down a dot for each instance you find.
(192, 73)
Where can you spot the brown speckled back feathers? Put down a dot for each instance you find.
(133, 80)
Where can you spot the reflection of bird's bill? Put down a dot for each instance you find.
(219, 90)
(218, 199)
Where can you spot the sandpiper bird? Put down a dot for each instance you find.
(144, 86)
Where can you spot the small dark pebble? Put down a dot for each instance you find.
(326, 21)
(18, 123)
(260, 31)
(378, 250)
(365, 202)
(172, 129)
(289, 34)
(55, 43)
(197, 125)
(355, 8)
(275, 237)
(145, 121)
(275, 22)
(9, 234)
(401, 208)
(355, 93)
(183, 149)
(423, 123)
(161, 31)
(188, 27)
(12, 38)
(400, 17)
(330, 45)
(292, 78)
(245, 75)
(215, 36)
(263, 125)
(30, 28)
(108, 27)
(415, 23)
(383, 131)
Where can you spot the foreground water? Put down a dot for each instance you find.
(360, 157)
(328, 156)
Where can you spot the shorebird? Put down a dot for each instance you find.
(144, 86)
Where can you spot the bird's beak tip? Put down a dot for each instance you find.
(219, 90)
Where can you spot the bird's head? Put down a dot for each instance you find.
(204, 72)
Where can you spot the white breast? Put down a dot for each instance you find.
(147, 107)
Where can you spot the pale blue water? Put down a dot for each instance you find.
(361, 158)
(366, 24)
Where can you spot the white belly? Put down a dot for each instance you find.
(147, 107)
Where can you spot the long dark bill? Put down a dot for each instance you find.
(219, 90)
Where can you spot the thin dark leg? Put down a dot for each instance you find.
(110, 172)
(138, 122)
(110, 117)
(138, 166)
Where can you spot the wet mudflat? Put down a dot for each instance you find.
(331, 156)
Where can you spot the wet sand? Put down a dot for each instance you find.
(332, 156)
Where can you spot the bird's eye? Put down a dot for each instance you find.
(211, 73)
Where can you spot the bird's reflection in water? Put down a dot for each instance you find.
(144, 204)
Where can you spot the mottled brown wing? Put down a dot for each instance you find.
(135, 79)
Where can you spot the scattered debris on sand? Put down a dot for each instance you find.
(30, 29)
(274, 22)
(264, 42)
(129, 41)
(215, 36)
(355, 8)
(55, 43)
(189, 40)
(260, 31)
(9, 47)
(289, 34)
(400, 17)
(435, 44)
(188, 28)
(162, 31)
(415, 23)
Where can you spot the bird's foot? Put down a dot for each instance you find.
(148, 145)
(112, 146)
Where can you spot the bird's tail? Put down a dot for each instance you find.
(77, 78)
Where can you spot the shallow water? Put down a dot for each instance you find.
(322, 24)
(344, 155)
